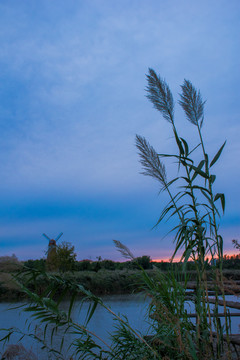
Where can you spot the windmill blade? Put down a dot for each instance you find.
(58, 237)
(48, 238)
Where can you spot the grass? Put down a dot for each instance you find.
(104, 282)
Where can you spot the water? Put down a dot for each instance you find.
(134, 306)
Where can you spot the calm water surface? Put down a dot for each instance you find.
(102, 323)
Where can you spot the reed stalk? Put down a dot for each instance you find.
(198, 236)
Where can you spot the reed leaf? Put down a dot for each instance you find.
(186, 148)
(218, 154)
(220, 196)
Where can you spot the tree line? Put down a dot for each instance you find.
(65, 260)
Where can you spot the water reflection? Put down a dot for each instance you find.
(134, 306)
(102, 323)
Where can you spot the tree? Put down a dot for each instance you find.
(39, 264)
(65, 257)
(107, 264)
(83, 265)
(144, 261)
(9, 263)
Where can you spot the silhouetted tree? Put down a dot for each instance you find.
(144, 261)
(65, 257)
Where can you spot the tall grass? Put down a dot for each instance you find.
(193, 202)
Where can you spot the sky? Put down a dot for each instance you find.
(72, 99)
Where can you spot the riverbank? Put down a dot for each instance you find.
(103, 282)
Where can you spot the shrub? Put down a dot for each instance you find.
(9, 263)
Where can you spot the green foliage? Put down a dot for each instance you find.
(127, 346)
(231, 262)
(87, 265)
(65, 257)
(142, 261)
(108, 265)
(83, 265)
(8, 287)
(9, 264)
(36, 264)
(102, 282)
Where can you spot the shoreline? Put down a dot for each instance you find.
(104, 282)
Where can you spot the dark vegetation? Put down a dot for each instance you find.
(230, 262)
(102, 276)
(89, 265)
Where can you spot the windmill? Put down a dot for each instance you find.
(52, 246)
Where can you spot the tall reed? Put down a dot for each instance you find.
(193, 202)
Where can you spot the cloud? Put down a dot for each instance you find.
(72, 96)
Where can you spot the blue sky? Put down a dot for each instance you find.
(72, 98)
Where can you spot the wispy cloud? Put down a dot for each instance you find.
(72, 93)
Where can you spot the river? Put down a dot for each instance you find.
(134, 306)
